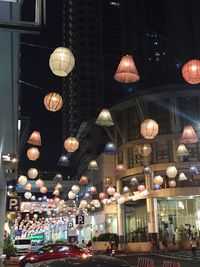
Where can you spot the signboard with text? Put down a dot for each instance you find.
(13, 204)
(79, 219)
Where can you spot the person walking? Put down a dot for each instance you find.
(194, 246)
(164, 243)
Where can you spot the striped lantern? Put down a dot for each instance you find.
(191, 71)
(71, 144)
(53, 101)
(149, 129)
(33, 153)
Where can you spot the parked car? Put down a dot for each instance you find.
(51, 252)
(100, 261)
(23, 245)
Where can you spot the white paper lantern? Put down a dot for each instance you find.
(111, 190)
(109, 201)
(33, 198)
(48, 212)
(126, 189)
(144, 193)
(22, 180)
(83, 204)
(39, 183)
(104, 201)
(116, 195)
(182, 177)
(71, 195)
(158, 180)
(121, 200)
(28, 195)
(96, 203)
(171, 172)
(32, 173)
(61, 61)
(75, 189)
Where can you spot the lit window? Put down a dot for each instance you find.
(114, 3)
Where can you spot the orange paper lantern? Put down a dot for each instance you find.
(83, 180)
(149, 129)
(33, 153)
(191, 71)
(35, 139)
(71, 144)
(53, 101)
(145, 150)
(43, 190)
(126, 71)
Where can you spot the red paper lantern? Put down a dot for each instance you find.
(53, 101)
(189, 136)
(191, 71)
(126, 71)
(35, 139)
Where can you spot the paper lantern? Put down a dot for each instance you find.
(149, 129)
(158, 180)
(104, 118)
(145, 150)
(144, 193)
(43, 189)
(126, 189)
(191, 71)
(111, 190)
(56, 192)
(108, 202)
(33, 198)
(83, 204)
(61, 61)
(172, 183)
(93, 165)
(32, 173)
(134, 181)
(182, 177)
(28, 195)
(126, 71)
(28, 186)
(33, 153)
(75, 189)
(107, 181)
(56, 200)
(182, 150)
(71, 144)
(116, 195)
(96, 203)
(110, 149)
(35, 139)
(102, 195)
(71, 195)
(39, 183)
(141, 187)
(121, 200)
(64, 161)
(156, 187)
(93, 190)
(22, 180)
(83, 180)
(120, 168)
(171, 172)
(58, 186)
(193, 170)
(189, 136)
(49, 213)
(53, 101)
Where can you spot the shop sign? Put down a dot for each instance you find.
(13, 203)
(79, 219)
(70, 225)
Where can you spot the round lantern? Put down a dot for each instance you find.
(56, 200)
(83, 180)
(126, 189)
(149, 129)
(71, 195)
(193, 170)
(171, 172)
(120, 168)
(28, 195)
(75, 189)
(32, 173)
(121, 200)
(93, 165)
(102, 195)
(156, 187)
(191, 71)
(158, 180)
(48, 212)
(28, 186)
(96, 203)
(134, 181)
(107, 181)
(58, 186)
(22, 180)
(71, 144)
(141, 187)
(111, 190)
(39, 183)
(83, 204)
(33, 198)
(43, 189)
(33, 153)
(110, 149)
(109, 201)
(93, 190)
(172, 183)
(53, 101)
(116, 195)
(35, 216)
(145, 150)
(144, 193)
(61, 61)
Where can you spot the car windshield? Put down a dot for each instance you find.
(22, 242)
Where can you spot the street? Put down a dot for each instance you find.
(185, 258)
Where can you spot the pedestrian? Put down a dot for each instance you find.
(194, 246)
(174, 241)
(164, 243)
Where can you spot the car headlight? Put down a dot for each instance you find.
(21, 258)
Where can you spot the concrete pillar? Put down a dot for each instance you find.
(152, 215)
(120, 215)
(2, 216)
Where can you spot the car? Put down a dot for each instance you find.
(23, 245)
(51, 252)
(94, 261)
